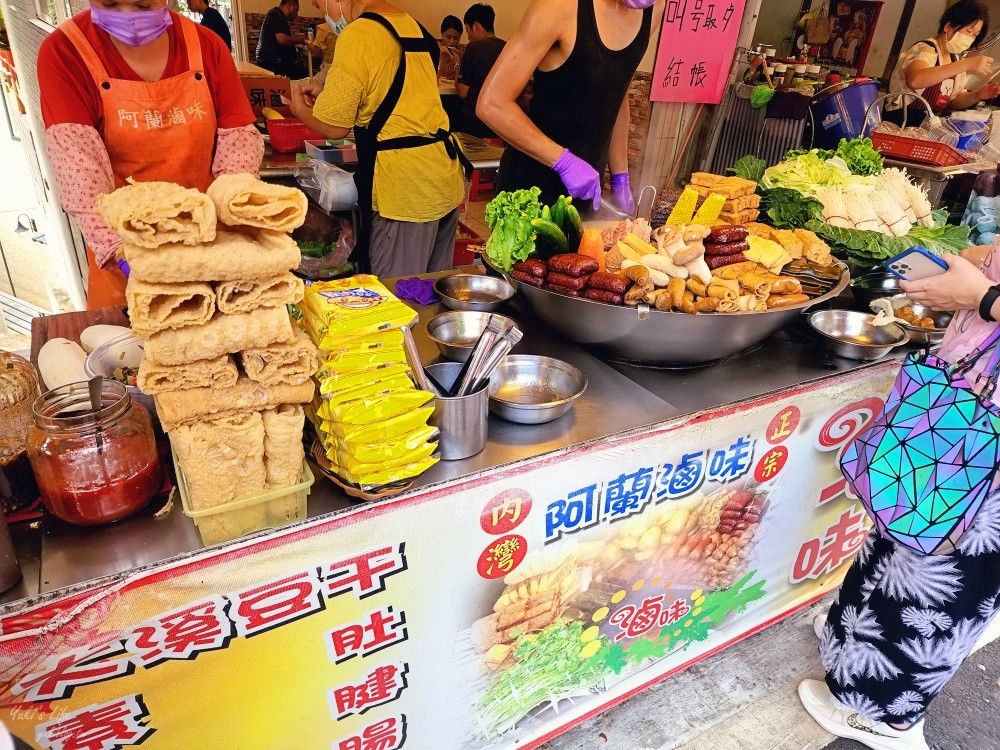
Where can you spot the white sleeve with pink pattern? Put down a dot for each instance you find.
(238, 151)
(83, 171)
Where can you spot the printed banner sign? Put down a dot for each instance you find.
(697, 45)
(492, 613)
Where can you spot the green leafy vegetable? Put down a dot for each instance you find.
(790, 208)
(822, 153)
(509, 217)
(806, 173)
(749, 167)
(869, 248)
(861, 156)
(313, 249)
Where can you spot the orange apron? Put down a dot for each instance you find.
(153, 131)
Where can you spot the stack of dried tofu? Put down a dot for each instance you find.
(209, 285)
(370, 419)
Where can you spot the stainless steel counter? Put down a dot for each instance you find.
(55, 555)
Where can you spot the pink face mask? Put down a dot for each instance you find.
(638, 4)
(134, 29)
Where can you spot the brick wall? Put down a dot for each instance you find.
(254, 21)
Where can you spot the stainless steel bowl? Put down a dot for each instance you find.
(655, 338)
(874, 285)
(121, 351)
(473, 291)
(457, 332)
(851, 334)
(529, 389)
(919, 334)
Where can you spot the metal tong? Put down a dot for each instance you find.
(425, 381)
(496, 340)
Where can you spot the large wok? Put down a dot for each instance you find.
(650, 337)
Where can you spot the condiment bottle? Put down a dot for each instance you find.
(18, 389)
(93, 467)
(781, 74)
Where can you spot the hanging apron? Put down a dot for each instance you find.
(939, 95)
(178, 112)
(367, 138)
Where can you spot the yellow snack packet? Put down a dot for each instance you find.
(384, 476)
(348, 463)
(390, 429)
(335, 383)
(352, 362)
(385, 340)
(395, 383)
(342, 309)
(389, 450)
(377, 408)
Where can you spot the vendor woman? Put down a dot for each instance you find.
(383, 83)
(933, 68)
(132, 90)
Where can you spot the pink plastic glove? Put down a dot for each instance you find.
(621, 193)
(581, 179)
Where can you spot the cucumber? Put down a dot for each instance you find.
(559, 212)
(549, 239)
(574, 227)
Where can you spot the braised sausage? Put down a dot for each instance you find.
(609, 282)
(729, 248)
(570, 282)
(562, 290)
(603, 295)
(728, 233)
(527, 278)
(717, 261)
(533, 266)
(573, 264)
(785, 300)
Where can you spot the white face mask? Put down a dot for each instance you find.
(337, 27)
(960, 43)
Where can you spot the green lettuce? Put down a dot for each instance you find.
(509, 217)
(749, 167)
(790, 208)
(861, 156)
(806, 173)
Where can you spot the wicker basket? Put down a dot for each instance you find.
(289, 135)
(917, 150)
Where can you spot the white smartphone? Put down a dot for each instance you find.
(915, 264)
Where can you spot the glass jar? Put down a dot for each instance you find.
(18, 390)
(93, 467)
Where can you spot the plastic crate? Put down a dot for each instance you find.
(917, 150)
(290, 135)
(465, 238)
(244, 515)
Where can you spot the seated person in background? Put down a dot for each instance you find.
(451, 52)
(276, 47)
(481, 53)
(212, 19)
(324, 44)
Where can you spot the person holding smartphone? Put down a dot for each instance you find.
(451, 51)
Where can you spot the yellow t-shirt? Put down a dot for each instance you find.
(415, 184)
(326, 40)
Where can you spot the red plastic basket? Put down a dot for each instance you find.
(915, 149)
(464, 238)
(290, 135)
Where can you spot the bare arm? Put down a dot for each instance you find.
(538, 34)
(303, 99)
(290, 40)
(921, 74)
(618, 153)
(463, 90)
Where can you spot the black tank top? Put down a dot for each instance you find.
(576, 104)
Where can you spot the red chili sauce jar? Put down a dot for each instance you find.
(93, 467)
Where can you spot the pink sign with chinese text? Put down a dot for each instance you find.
(697, 45)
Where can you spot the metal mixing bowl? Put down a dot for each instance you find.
(529, 389)
(657, 338)
(919, 334)
(121, 351)
(851, 334)
(874, 285)
(457, 332)
(472, 291)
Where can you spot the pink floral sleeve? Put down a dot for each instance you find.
(238, 151)
(83, 172)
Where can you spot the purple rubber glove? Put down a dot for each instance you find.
(581, 179)
(125, 268)
(621, 193)
(418, 290)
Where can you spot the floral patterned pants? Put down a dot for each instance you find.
(903, 623)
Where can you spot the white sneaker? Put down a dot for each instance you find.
(842, 721)
(819, 624)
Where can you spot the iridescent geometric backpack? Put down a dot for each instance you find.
(925, 465)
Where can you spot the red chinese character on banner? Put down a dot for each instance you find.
(505, 512)
(107, 726)
(822, 555)
(838, 432)
(364, 574)
(501, 556)
(386, 734)
(771, 464)
(181, 634)
(783, 425)
(381, 685)
(261, 608)
(379, 630)
(635, 622)
(62, 673)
